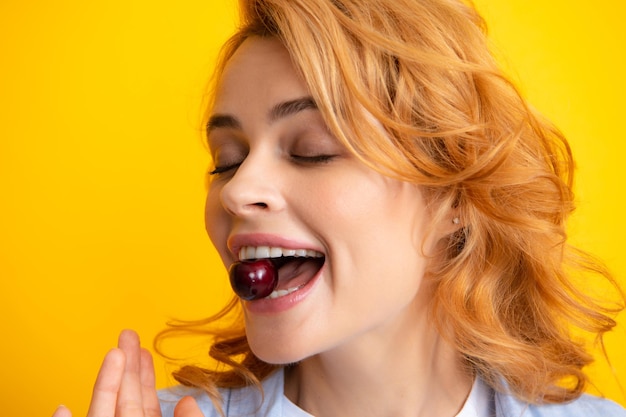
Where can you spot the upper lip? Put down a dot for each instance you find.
(236, 242)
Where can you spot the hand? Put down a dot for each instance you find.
(125, 386)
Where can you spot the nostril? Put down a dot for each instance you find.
(247, 194)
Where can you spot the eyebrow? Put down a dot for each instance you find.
(279, 111)
(222, 120)
(290, 107)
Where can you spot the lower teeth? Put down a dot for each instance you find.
(282, 293)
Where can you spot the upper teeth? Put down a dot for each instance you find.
(261, 252)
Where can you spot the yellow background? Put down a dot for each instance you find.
(101, 170)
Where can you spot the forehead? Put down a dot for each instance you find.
(260, 70)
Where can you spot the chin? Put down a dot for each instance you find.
(276, 352)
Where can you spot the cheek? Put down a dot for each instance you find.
(368, 207)
(216, 220)
(381, 224)
(345, 197)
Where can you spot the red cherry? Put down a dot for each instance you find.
(253, 280)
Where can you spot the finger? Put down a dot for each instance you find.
(62, 411)
(187, 407)
(104, 399)
(151, 405)
(129, 399)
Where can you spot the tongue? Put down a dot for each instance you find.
(297, 271)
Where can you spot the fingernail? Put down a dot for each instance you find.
(62, 411)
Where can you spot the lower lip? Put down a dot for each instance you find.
(286, 302)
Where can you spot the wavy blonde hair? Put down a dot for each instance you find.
(454, 124)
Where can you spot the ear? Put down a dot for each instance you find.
(449, 222)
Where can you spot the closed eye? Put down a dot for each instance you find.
(312, 159)
(220, 169)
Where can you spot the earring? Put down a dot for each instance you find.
(456, 220)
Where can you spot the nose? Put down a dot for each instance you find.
(255, 188)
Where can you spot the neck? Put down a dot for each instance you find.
(405, 369)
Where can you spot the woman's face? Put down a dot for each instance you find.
(284, 184)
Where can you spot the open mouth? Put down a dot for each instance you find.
(271, 272)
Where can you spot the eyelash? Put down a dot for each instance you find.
(315, 159)
(222, 169)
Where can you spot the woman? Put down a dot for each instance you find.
(393, 217)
